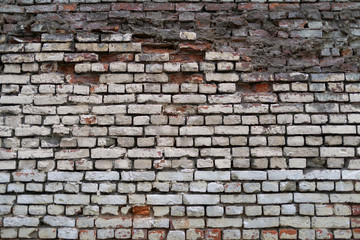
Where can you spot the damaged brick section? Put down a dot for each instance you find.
(179, 119)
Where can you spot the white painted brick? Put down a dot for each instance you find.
(301, 152)
(216, 108)
(4, 177)
(311, 198)
(68, 233)
(303, 130)
(227, 56)
(285, 174)
(231, 130)
(71, 199)
(59, 221)
(28, 176)
(35, 199)
(268, 222)
(275, 198)
(35, 153)
(102, 176)
(144, 109)
(151, 223)
(195, 131)
(295, 222)
(32, 131)
(174, 176)
(335, 129)
(65, 176)
(212, 175)
(138, 176)
(189, 223)
(248, 175)
(266, 152)
(107, 152)
(72, 153)
(21, 222)
(49, 78)
(144, 153)
(330, 222)
(221, 77)
(350, 174)
(116, 78)
(322, 174)
(181, 152)
(337, 152)
(224, 222)
(7, 199)
(201, 199)
(109, 199)
(168, 199)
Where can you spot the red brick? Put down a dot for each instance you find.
(67, 68)
(262, 87)
(257, 77)
(157, 234)
(349, 67)
(83, 79)
(330, 61)
(186, 78)
(151, 49)
(220, 7)
(141, 210)
(194, 47)
(124, 57)
(49, 67)
(269, 234)
(259, 33)
(346, 52)
(119, 14)
(150, 6)
(292, 24)
(322, 6)
(253, 6)
(85, 233)
(81, 57)
(189, 7)
(203, 23)
(291, 77)
(11, 9)
(244, 66)
(345, 6)
(67, 7)
(104, 7)
(306, 61)
(180, 110)
(356, 233)
(213, 234)
(285, 233)
(186, 58)
(282, 34)
(127, 6)
(286, 7)
(323, 234)
(41, 8)
(355, 210)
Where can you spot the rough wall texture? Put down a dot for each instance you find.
(179, 120)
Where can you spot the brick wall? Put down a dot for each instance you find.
(179, 120)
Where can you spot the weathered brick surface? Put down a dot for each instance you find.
(179, 119)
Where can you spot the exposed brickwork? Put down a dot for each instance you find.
(179, 119)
